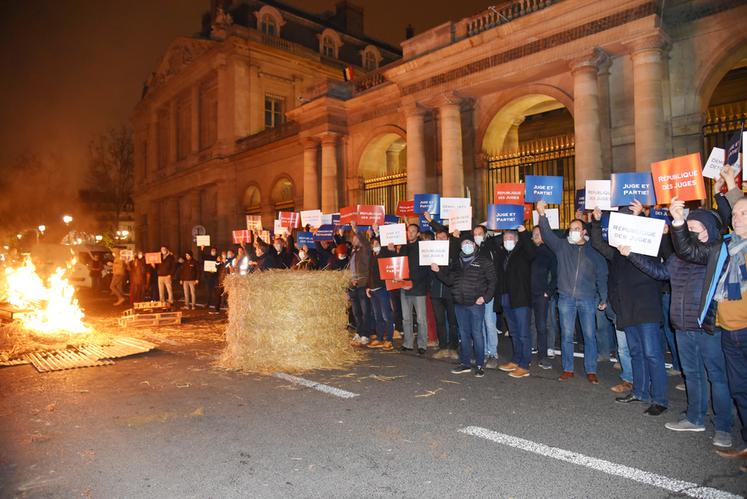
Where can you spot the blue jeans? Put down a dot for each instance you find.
(540, 306)
(518, 325)
(666, 300)
(490, 331)
(604, 334)
(361, 310)
(552, 322)
(647, 358)
(471, 320)
(734, 345)
(623, 357)
(703, 362)
(586, 310)
(382, 312)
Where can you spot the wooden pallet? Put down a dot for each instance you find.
(145, 306)
(8, 313)
(129, 318)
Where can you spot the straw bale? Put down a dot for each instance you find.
(290, 321)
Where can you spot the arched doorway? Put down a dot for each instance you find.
(532, 135)
(383, 171)
(283, 195)
(252, 201)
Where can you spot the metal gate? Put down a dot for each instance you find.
(551, 156)
(722, 122)
(386, 190)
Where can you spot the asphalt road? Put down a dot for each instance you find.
(169, 424)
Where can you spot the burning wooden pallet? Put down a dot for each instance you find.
(9, 313)
(132, 318)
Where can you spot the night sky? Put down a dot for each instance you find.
(71, 69)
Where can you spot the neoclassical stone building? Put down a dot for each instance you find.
(255, 117)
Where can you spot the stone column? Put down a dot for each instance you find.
(330, 197)
(586, 118)
(605, 118)
(648, 73)
(310, 174)
(511, 142)
(452, 162)
(226, 104)
(416, 174)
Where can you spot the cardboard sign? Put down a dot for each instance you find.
(394, 234)
(680, 177)
(254, 222)
(580, 202)
(433, 252)
(370, 214)
(152, 258)
(203, 241)
(553, 217)
(392, 285)
(396, 268)
(279, 230)
(630, 186)
(305, 239)
(448, 204)
(547, 188)
(460, 219)
(312, 218)
(509, 193)
(505, 216)
(715, 163)
(325, 233)
(335, 219)
(241, 236)
(209, 266)
(426, 202)
(126, 254)
(326, 219)
(598, 194)
(642, 234)
(405, 208)
(289, 219)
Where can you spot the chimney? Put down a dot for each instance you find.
(348, 17)
(409, 32)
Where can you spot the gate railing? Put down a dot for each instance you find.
(387, 190)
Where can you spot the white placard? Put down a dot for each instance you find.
(203, 241)
(209, 266)
(460, 219)
(326, 219)
(393, 233)
(599, 194)
(279, 230)
(125, 254)
(254, 222)
(642, 234)
(312, 218)
(553, 216)
(448, 204)
(433, 252)
(715, 163)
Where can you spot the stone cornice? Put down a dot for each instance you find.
(656, 41)
(594, 61)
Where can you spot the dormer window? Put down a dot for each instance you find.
(269, 20)
(268, 26)
(328, 47)
(371, 58)
(329, 43)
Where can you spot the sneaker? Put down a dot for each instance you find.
(356, 340)
(673, 372)
(508, 367)
(592, 378)
(405, 349)
(460, 369)
(545, 364)
(535, 351)
(421, 351)
(364, 340)
(387, 345)
(479, 372)
(453, 354)
(375, 344)
(685, 425)
(492, 363)
(440, 354)
(519, 372)
(722, 439)
(655, 410)
(397, 335)
(550, 353)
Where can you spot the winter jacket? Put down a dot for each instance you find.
(138, 272)
(635, 296)
(419, 275)
(468, 282)
(167, 267)
(188, 271)
(361, 259)
(511, 271)
(582, 271)
(544, 272)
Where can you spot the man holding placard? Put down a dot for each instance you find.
(413, 297)
(582, 287)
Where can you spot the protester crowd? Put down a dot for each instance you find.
(531, 285)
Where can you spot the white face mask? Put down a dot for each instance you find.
(509, 244)
(479, 240)
(574, 236)
(278, 247)
(302, 255)
(468, 249)
(376, 250)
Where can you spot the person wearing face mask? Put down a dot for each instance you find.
(381, 304)
(138, 277)
(513, 264)
(166, 270)
(544, 286)
(471, 278)
(636, 299)
(582, 287)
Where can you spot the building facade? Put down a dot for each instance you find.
(255, 117)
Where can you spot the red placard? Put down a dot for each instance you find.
(395, 268)
(406, 208)
(392, 285)
(512, 193)
(348, 215)
(681, 177)
(289, 219)
(242, 236)
(370, 214)
(528, 211)
(152, 258)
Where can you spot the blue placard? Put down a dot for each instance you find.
(325, 233)
(626, 187)
(425, 226)
(505, 216)
(305, 238)
(661, 214)
(580, 199)
(732, 150)
(605, 221)
(335, 219)
(547, 188)
(391, 219)
(427, 202)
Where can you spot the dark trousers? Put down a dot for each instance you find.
(361, 307)
(396, 309)
(734, 344)
(443, 309)
(382, 312)
(213, 298)
(540, 306)
(518, 326)
(471, 319)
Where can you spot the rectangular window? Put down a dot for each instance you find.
(183, 126)
(274, 111)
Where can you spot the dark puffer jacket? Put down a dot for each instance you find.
(512, 269)
(469, 281)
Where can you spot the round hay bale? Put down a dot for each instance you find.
(290, 321)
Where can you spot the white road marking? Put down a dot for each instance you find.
(637, 475)
(331, 390)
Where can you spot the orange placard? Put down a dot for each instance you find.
(681, 177)
(392, 285)
(152, 258)
(241, 236)
(509, 193)
(395, 268)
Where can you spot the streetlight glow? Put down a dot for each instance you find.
(67, 219)
(42, 228)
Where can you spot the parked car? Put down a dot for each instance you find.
(47, 257)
